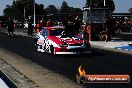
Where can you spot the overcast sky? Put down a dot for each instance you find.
(121, 5)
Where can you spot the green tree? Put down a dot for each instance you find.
(7, 11)
(40, 9)
(130, 10)
(100, 4)
(64, 7)
(16, 10)
(51, 9)
(75, 10)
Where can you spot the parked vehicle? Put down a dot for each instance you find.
(26, 25)
(19, 25)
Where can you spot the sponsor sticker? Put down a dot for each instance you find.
(82, 77)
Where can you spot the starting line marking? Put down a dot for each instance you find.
(3, 84)
(126, 48)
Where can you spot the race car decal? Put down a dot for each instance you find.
(40, 42)
(52, 41)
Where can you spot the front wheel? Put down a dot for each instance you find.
(51, 49)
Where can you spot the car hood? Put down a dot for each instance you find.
(68, 40)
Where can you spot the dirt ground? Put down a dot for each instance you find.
(31, 75)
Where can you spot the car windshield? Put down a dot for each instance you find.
(56, 32)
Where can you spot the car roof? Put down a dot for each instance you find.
(53, 28)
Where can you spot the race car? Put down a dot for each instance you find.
(54, 40)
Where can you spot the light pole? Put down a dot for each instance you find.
(34, 14)
(90, 21)
(13, 9)
(104, 3)
(104, 14)
(24, 12)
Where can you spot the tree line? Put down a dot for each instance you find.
(21, 8)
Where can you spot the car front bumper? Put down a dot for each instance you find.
(72, 50)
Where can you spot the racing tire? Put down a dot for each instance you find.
(51, 49)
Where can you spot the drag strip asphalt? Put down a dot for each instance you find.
(98, 62)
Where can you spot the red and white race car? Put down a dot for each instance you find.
(53, 40)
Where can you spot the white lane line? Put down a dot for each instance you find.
(3, 84)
